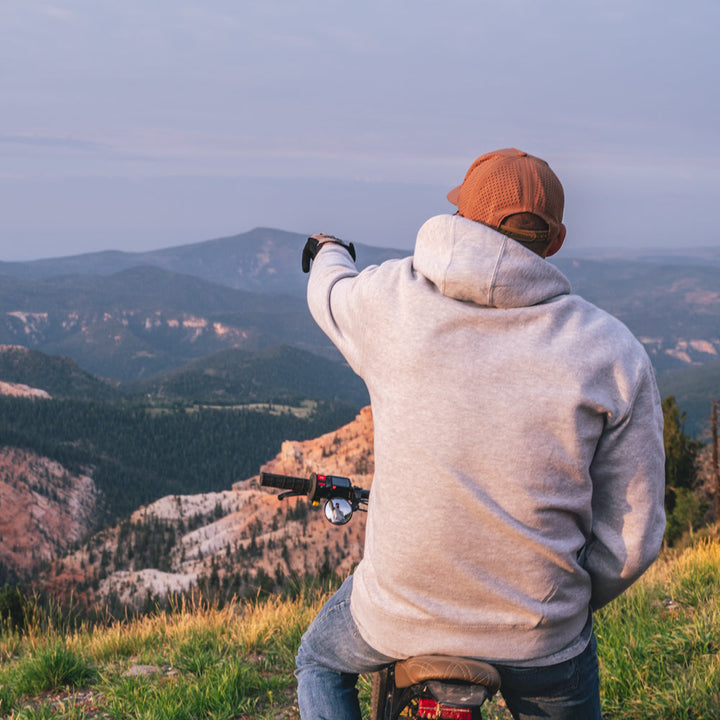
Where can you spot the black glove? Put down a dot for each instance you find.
(315, 242)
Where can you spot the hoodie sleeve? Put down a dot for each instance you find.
(628, 474)
(333, 297)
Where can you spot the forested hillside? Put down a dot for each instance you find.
(694, 389)
(280, 374)
(59, 376)
(137, 454)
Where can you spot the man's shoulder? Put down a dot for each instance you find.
(601, 326)
(388, 275)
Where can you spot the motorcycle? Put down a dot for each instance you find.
(425, 686)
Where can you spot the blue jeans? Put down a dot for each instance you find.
(332, 655)
(569, 690)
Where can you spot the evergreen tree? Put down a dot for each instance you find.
(683, 507)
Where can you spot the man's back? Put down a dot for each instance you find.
(491, 388)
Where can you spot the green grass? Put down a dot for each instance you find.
(55, 665)
(234, 662)
(659, 644)
(659, 647)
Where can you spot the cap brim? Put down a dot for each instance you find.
(454, 194)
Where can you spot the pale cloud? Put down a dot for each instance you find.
(51, 142)
(56, 12)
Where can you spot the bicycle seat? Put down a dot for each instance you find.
(445, 667)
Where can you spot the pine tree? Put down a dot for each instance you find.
(682, 506)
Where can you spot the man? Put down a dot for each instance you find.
(519, 430)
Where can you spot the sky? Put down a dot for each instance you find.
(140, 124)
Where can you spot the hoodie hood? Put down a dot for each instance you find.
(470, 261)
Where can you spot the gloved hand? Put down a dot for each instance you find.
(315, 242)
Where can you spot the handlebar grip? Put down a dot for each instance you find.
(298, 485)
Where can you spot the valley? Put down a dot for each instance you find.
(141, 393)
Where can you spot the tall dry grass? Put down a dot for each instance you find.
(659, 647)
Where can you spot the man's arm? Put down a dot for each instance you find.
(334, 299)
(628, 474)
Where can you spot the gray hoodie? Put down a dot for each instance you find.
(519, 465)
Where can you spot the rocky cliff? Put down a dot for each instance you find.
(238, 541)
(44, 510)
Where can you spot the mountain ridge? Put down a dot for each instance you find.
(246, 291)
(673, 308)
(261, 260)
(143, 320)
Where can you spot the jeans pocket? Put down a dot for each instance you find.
(549, 682)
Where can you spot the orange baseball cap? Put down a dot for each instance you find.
(509, 181)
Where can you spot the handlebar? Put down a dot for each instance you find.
(318, 487)
(296, 485)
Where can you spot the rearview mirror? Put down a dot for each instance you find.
(338, 511)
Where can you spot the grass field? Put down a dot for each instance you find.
(659, 649)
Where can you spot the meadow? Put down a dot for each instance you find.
(659, 647)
